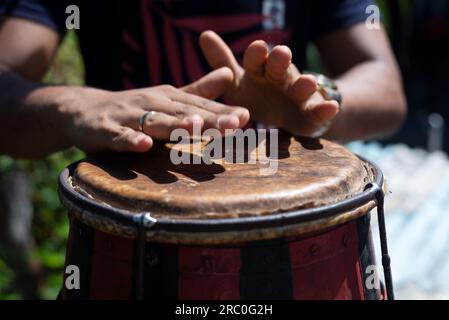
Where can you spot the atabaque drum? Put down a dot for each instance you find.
(144, 227)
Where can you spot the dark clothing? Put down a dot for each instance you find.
(138, 43)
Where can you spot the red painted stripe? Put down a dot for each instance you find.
(193, 64)
(173, 52)
(327, 266)
(128, 84)
(131, 42)
(209, 273)
(112, 267)
(220, 24)
(275, 37)
(151, 43)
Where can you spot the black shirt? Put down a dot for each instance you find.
(138, 43)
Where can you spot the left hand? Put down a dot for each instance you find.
(270, 86)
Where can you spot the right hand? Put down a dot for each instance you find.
(271, 87)
(98, 120)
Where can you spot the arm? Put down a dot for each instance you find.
(270, 86)
(36, 120)
(27, 52)
(369, 80)
(274, 91)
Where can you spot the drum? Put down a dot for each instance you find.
(142, 227)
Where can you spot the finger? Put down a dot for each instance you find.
(255, 57)
(130, 118)
(315, 116)
(212, 85)
(321, 112)
(128, 140)
(211, 106)
(175, 107)
(161, 125)
(278, 61)
(211, 119)
(303, 88)
(217, 52)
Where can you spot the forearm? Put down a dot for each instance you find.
(31, 125)
(373, 102)
(36, 120)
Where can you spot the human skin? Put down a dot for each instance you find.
(36, 120)
(359, 59)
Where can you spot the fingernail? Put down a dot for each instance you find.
(141, 139)
(227, 122)
(196, 119)
(223, 122)
(242, 114)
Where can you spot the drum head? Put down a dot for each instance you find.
(310, 173)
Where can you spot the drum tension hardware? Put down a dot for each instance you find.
(142, 222)
(386, 261)
(145, 221)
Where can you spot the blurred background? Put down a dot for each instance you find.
(34, 226)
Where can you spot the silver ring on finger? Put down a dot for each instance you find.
(144, 117)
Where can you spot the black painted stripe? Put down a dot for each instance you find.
(160, 272)
(366, 253)
(79, 253)
(266, 271)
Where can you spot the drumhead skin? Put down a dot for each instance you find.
(145, 228)
(310, 173)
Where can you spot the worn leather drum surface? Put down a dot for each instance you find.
(310, 173)
(196, 246)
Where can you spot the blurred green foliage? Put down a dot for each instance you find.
(50, 223)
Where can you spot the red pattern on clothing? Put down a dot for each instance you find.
(183, 57)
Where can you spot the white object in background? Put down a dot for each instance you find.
(435, 133)
(274, 13)
(274, 17)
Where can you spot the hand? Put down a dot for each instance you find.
(270, 86)
(98, 120)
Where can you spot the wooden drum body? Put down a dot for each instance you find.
(141, 227)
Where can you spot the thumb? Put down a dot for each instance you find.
(212, 85)
(217, 52)
(322, 112)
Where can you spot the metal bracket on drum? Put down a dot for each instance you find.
(144, 221)
(386, 261)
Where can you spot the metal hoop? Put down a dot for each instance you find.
(142, 222)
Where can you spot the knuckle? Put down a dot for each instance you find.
(211, 120)
(206, 104)
(100, 123)
(274, 77)
(180, 111)
(120, 107)
(167, 87)
(120, 135)
(103, 117)
(210, 106)
(140, 100)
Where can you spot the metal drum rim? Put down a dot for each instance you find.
(223, 224)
